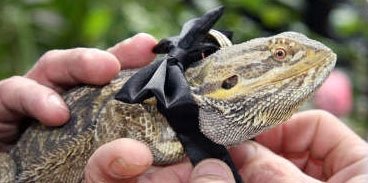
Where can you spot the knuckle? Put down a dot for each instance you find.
(265, 171)
(321, 112)
(324, 116)
(13, 81)
(86, 55)
(48, 56)
(13, 92)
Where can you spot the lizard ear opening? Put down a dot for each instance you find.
(229, 82)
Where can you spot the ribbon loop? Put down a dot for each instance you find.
(164, 79)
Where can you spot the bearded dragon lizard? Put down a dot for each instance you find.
(241, 90)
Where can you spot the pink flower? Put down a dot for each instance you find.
(335, 95)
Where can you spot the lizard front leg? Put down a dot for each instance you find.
(141, 122)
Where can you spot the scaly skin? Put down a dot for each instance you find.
(241, 90)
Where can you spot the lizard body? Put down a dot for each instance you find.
(241, 90)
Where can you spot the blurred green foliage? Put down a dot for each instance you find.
(28, 28)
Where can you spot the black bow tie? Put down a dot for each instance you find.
(164, 79)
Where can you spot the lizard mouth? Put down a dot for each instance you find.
(268, 87)
(266, 101)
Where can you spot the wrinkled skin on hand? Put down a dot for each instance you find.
(313, 146)
(37, 93)
(59, 70)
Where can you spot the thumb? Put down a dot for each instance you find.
(211, 170)
(121, 160)
(259, 164)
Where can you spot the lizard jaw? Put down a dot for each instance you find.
(229, 117)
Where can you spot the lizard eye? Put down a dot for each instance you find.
(279, 54)
(230, 82)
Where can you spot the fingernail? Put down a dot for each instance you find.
(121, 169)
(142, 34)
(213, 168)
(56, 100)
(117, 46)
(127, 41)
(118, 166)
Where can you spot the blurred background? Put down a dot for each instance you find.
(28, 28)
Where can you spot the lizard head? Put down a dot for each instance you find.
(247, 88)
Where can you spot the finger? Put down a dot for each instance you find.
(21, 97)
(311, 137)
(212, 170)
(60, 69)
(173, 173)
(118, 161)
(136, 51)
(258, 164)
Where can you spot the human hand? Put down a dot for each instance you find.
(130, 161)
(36, 94)
(313, 146)
(127, 160)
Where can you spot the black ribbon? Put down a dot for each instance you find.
(164, 79)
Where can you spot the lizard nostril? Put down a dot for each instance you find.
(230, 82)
